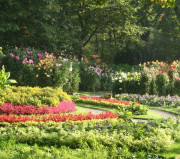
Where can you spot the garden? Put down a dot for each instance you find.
(44, 107)
(94, 79)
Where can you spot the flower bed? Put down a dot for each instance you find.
(134, 107)
(63, 107)
(155, 100)
(36, 96)
(56, 118)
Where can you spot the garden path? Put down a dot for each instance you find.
(163, 114)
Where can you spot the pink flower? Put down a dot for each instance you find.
(17, 58)
(11, 54)
(15, 47)
(24, 61)
(30, 61)
(46, 53)
(40, 56)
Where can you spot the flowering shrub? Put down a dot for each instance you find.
(125, 82)
(95, 75)
(63, 107)
(34, 68)
(57, 118)
(154, 100)
(135, 107)
(33, 96)
(155, 78)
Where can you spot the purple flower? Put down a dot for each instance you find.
(17, 58)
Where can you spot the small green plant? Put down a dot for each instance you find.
(124, 113)
(4, 78)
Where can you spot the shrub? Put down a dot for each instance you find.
(67, 75)
(125, 82)
(95, 75)
(33, 96)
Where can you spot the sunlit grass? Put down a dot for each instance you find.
(173, 152)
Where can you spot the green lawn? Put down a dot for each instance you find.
(79, 110)
(174, 151)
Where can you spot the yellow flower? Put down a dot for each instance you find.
(39, 68)
(37, 75)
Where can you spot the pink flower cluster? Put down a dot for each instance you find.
(63, 107)
(13, 56)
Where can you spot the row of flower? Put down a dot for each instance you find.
(153, 78)
(56, 117)
(134, 107)
(36, 68)
(63, 107)
(153, 100)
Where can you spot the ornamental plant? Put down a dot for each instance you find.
(56, 118)
(33, 96)
(63, 107)
(134, 107)
(4, 78)
(154, 78)
(154, 100)
(125, 82)
(95, 75)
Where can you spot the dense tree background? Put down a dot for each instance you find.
(119, 31)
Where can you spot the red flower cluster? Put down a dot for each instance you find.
(56, 118)
(63, 107)
(106, 100)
